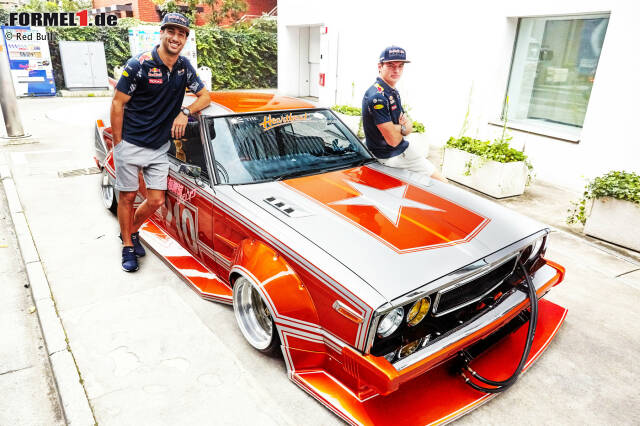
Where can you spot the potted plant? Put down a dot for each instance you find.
(610, 209)
(495, 169)
(418, 138)
(351, 116)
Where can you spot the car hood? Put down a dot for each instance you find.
(395, 233)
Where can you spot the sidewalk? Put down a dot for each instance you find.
(28, 390)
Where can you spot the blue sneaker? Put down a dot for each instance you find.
(129, 259)
(137, 245)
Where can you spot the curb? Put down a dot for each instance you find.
(73, 398)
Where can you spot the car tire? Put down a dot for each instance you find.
(254, 317)
(108, 192)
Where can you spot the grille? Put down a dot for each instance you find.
(79, 172)
(476, 289)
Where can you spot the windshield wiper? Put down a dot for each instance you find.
(289, 175)
(362, 162)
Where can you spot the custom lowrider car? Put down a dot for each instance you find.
(392, 300)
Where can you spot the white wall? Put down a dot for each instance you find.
(463, 44)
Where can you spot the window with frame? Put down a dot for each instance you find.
(189, 149)
(552, 72)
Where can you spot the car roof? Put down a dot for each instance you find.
(223, 103)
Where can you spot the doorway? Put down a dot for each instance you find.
(309, 66)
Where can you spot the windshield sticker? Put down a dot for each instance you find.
(270, 122)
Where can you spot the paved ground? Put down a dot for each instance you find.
(151, 352)
(28, 389)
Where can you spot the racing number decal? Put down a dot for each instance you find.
(183, 216)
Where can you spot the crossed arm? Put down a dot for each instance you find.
(392, 133)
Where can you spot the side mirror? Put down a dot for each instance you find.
(190, 170)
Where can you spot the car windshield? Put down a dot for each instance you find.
(279, 145)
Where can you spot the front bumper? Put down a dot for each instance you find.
(385, 378)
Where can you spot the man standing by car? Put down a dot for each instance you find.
(385, 122)
(146, 110)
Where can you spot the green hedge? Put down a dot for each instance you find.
(242, 58)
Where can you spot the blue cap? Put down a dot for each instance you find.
(175, 19)
(393, 53)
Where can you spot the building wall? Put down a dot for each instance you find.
(464, 47)
(144, 10)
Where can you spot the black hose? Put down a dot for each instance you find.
(501, 386)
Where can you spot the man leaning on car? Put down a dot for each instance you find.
(385, 122)
(146, 110)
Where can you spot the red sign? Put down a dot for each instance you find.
(405, 217)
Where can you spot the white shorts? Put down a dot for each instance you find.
(129, 159)
(410, 160)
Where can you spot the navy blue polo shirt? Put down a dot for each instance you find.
(156, 97)
(381, 103)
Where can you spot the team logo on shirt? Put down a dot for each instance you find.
(155, 72)
(155, 81)
(146, 56)
(180, 72)
(379, 88)
(380, 106)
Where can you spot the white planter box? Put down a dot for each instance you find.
(616, 221)
(496, 179)
(420, 142)
(352, 121)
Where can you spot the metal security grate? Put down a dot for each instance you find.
(79, 172)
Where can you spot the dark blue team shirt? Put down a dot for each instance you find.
(381, 103)
(156, 97)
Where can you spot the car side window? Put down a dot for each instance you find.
(189, 149)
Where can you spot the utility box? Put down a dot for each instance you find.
(84, 65)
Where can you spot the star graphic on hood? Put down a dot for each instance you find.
(389, 202)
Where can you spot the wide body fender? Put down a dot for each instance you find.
(289, 301)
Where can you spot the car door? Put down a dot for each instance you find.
(187, 214)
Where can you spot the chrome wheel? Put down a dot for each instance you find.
(108, 193)
(253, 316)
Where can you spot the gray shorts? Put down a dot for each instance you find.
(130, 159)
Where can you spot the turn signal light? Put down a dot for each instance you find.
(409, 348)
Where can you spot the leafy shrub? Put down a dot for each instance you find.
(418, 127)
(499, 151)
(621, 185)
(238, 58)
(347, 110)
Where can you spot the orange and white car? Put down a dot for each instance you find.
(389, 295)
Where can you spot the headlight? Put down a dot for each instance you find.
(408, 349)
(390, 356)
(390, 322)
(418, 311)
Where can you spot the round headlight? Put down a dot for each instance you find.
(390, 322)
(418, 311)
